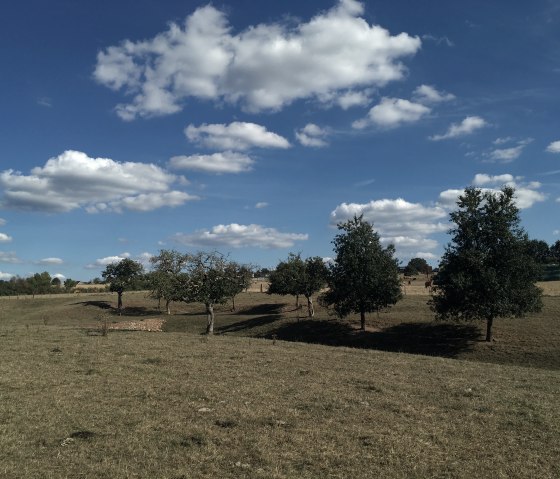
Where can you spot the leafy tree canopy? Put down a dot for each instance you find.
(417, 266)
(364, 276)
(122, 276)
(486, 271)
(296, 277)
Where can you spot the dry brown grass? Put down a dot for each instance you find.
(180, 405)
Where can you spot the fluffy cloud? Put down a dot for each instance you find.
(312, 135)
(264, 67)
(261, 205)
(554, 147)
(404, 224)
(469, 125)
(235, 136)
(4, 238)
(73, 180)
(427, 94)
(526, 193)
(222, 162)
(5, 276)
(240, 236)
(353, 98)
(481, 179)
(50, 261)
(102, 262)
(393, 112)
(2, 222)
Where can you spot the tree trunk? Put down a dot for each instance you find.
(297, 301)
(167, 306)
(489, 323)
(310, 309)
(209, 318)
(119, 301)
(362, 320)
(233, 303)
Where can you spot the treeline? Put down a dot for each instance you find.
(39, 283)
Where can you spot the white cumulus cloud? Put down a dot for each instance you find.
(221, 162)
(393, 112)
(102, 262)
(240, 236)
(469, 125)
(352, 98)
(264, 67)
(427, 94)
(4, 238)
(554, 147)
(73, 180)
(406, 225)
(235, 136)
(526, 193)
(312, 135)
(5, 276)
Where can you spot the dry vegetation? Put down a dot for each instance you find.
(75, 404)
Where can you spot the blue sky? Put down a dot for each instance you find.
(254, 127)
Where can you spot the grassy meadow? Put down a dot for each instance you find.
(273, 394)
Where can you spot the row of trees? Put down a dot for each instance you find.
(205, 277)
(488, 270)
(39, 283)
(364, 276)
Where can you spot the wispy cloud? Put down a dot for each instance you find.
(507, 155)
(221, 162)
(45, 101)
(468, 126)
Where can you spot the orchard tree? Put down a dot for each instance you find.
(240, 278)
(364, 276)
(416, 266)
(70, 284)
(285, 279)
(165, 278)
(555, 252)
(208, 280)
(486, 271)
(296, 276)
(122, 276)
(539, 250)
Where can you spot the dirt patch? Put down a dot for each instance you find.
(144, 325)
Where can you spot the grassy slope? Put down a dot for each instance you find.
(178, 405)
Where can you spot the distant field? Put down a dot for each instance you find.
(176, 405)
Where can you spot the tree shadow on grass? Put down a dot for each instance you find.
(126, 311)
(433, 339)
(98, 304)
(263, 309)
(248, 324)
